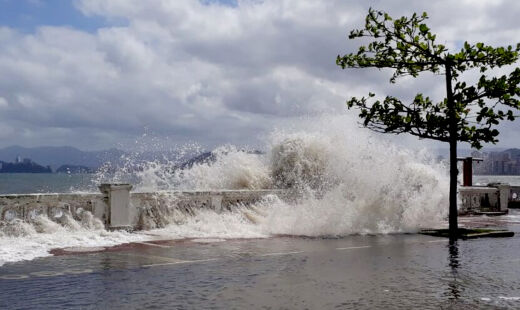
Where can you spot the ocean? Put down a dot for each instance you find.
(27, 183)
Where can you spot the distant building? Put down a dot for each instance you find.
(25, 165)
(498, 163)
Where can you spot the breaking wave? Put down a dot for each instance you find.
(342, 181)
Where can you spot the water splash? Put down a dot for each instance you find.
(344, 181)
(21, 240)
(230, 168)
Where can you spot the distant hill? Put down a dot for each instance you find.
(75, 169)
(66, 159)
(204, 158)
(208, 158)
(514, 153)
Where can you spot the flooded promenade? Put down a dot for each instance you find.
(354, 272)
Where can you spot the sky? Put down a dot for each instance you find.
(96, 74)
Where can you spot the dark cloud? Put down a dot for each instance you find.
(196, 71)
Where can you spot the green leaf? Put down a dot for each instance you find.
(406, 46)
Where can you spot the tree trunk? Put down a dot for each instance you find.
(453, 189)
(453, 215)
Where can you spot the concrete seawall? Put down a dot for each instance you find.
(118, 208)
(496, 197)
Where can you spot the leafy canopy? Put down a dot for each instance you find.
(408, 46)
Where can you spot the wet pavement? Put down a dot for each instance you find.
(401, 271)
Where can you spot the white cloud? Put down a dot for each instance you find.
(208, 73)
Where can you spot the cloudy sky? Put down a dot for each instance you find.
(100, 73)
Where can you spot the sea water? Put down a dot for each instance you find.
(26, 183)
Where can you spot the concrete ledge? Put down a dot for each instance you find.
(27, 207)
(159, 209)
(475, 198)
(477, 189)
(492, 198)
(117, 208)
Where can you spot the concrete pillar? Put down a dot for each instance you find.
(504, 192)
(118, 202)
(216, 202)
(503, 196)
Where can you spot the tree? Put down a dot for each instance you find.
(469, 113)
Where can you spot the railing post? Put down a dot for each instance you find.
(117, 197)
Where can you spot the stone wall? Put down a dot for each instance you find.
(27, 207)
(496, 197)
(154, 209)
(117, 208)
(474, 199)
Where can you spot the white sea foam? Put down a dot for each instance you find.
(345, 180)
(350, 181)
(230, 168)
(26, 241)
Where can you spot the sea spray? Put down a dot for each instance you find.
(230, 168)
(344, 181)
(21, 240)
(355, 185)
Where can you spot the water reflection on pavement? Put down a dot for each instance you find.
(355, 272)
